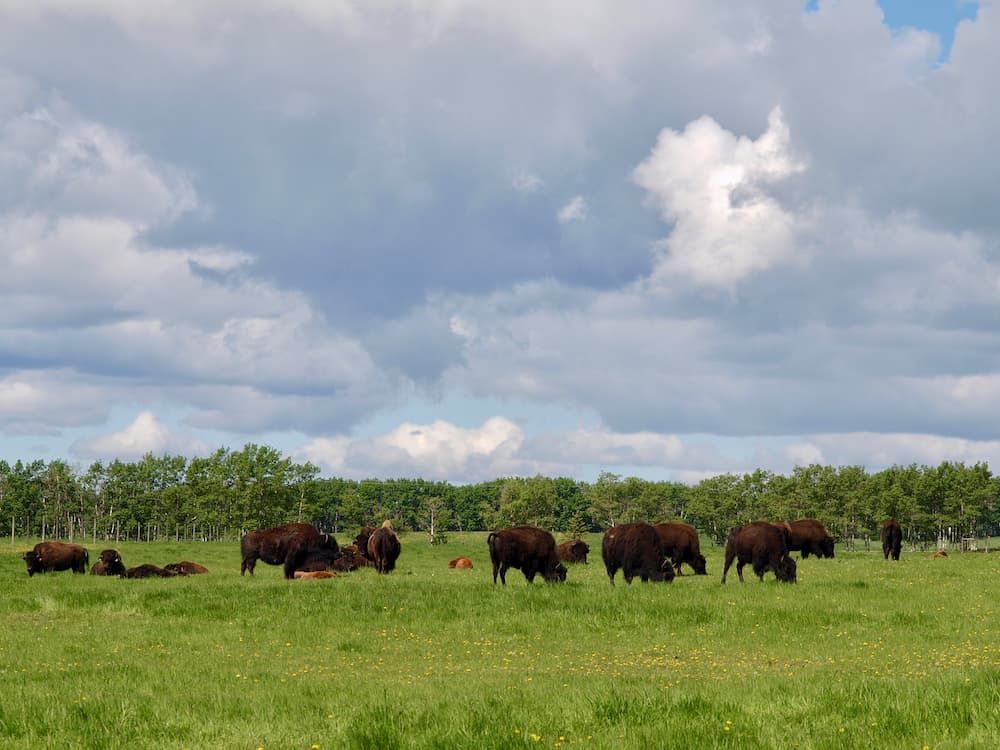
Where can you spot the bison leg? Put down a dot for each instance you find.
(729, 561)
(739, 570)
(248, 564)
(612, 569)
(503, 573)
(495, 568)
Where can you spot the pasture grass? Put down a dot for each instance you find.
(861, 653)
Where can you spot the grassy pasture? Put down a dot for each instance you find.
(862, 653)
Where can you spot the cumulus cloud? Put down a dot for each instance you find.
(575, 210)
(712, 187)
(146, 434)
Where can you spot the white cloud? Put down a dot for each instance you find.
(146, 434)
(575, 210)
(712, 187)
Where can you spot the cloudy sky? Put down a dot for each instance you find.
(460, 240)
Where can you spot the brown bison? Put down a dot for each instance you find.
(764, 546)
(361, 540)
(313, 574)
(681, 545)
(109, 563)
(892, 539)
(940, 553)
(351, 559)
(186, 568)
(808, 536)
(529, 549)
(637, 550)
(462, 563)
(47, 557)
(286, 545)
(384, 547)
(148, 570)
(573, 551)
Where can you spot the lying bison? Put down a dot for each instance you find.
(764, 546)
(286, 545)
(808, 536)
(47, 557)
(892, 539)
(109, 563)
(529, 549)
(384, 547)
(361, 540)
(573, 551)
(462, 563)
(635, 549)
(350, 558)
(681, 545)
(148, 570)
(186, 568)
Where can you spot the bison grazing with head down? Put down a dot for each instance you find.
(573, 551)
(637, 550)
(808, 536)
(529, 549)
(384, 547)
(47, 557)
(681, 545)
(764, 546)
(109, 564)
(286, 545)
(892, 539)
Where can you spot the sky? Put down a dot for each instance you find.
(461, 240)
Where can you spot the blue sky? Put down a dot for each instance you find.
(462, 241)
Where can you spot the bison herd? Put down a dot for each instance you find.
(639, 550)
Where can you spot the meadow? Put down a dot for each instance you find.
(861, 653)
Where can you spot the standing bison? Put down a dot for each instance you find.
(286, 545)
(47, 557)
(109, 563)
(384, 547)
(892, 539)
(573, 551)
(637, 550)
(808, 536)
(764, 546)
(528, 548)
(681, 545)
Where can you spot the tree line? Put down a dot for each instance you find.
(225, 494)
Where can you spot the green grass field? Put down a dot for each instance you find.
(862, 653)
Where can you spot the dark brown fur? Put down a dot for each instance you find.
(636, 549)
(764, 546)
(529, 549)
(808, 536)
(681, 545)
(186, 568)
(148, 570)
(109, 563)
(892, 539)
(288, 545)
(47, 557)
(384, 548)
(573, 551)
(361, 540)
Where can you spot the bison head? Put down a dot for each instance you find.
(826, 546)
(699, 565)
(785, 570)
(557, 574)
(113, 565)
(34, 562)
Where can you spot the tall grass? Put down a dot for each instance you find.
(861, 653)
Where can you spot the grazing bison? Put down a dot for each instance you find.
(186, 568)
(764, 546)
(47, 557)
(573, 551)
(637, 550)
(529, 549)
(383, 547)
(808, 536)
(148, 570)
(462, 563)
(892, 539)
(681, 545)
(109, 563)
(286, 545)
